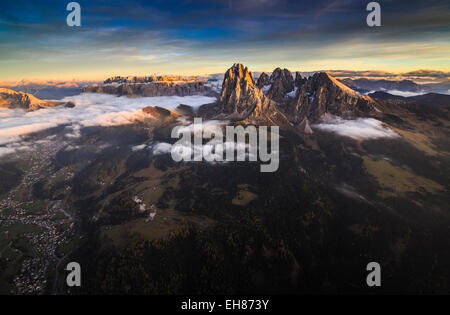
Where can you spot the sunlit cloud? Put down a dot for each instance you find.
(90, 110)
(360, 129)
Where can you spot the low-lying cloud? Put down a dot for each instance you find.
(404, 93)
(361, 128)
(90, 110)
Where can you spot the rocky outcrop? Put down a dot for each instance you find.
(322, 94)
(282, 83)
(299, 80)
(239, 95)
(263, 80)
(153, 89)
(242, 101)
(13, 99)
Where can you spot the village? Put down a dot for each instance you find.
(33, 233)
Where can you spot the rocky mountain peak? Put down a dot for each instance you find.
(239, 93)
(242, 100)
(319, 95)
(322, 94)
(263, 80)
(237, 76)
(299, 80)
(281, 74)
(282, 83)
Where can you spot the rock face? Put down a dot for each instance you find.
(241, 100)
(13, 99)
(263, 80)
(299, 80)
(240, 97)
(322, 94)
(282, 84)
(153, 89)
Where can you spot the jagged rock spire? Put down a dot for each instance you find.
(299, 80)
(242, 101)
(263, 80)
(282, 83)
(239, 94)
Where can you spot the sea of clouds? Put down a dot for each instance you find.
(361, 128)
(110, 110)
(90, 110)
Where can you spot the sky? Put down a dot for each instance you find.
(196, 37)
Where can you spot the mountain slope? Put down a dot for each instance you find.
(13, 99)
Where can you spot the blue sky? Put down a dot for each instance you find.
(199, 37)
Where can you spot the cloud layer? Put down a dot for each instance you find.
(361, 128)
(90, 110)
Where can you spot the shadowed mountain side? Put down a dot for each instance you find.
(282, 82)
(322, 94)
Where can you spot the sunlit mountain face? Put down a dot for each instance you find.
(224, 147)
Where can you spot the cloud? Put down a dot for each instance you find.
(350, 192)
(138, 147)
(161, 148)
(76, 131)
(405, 94)
(90, 110)
(15, 147)
(361, 128)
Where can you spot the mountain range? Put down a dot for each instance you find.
(283, 98)
(361, 178)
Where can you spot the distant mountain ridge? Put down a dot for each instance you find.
(150, 87)
(12, 99)
(434, 99)
(364, 85)
(368, 85)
